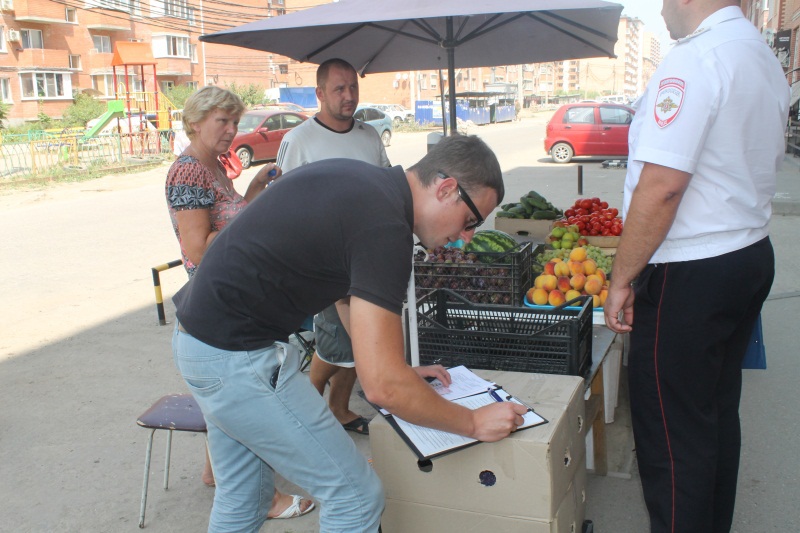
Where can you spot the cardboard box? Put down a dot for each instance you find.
(533, 468)
(409, 517)
(532, 230)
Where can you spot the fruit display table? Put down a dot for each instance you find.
(602, 391)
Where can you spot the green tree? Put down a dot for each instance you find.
(84, 109)
(251, 94)
(4, 108)
(178, 94)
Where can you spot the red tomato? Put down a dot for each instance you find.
(594, 232)
(614, 210)
(581, 225)
(586, 204)
(606, 232)
(607, 224)
(616, 230)
(569, 213)
(582, 211)
(604, 205)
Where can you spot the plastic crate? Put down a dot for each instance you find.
(501, 278)
(453, 331)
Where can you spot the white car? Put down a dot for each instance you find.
(396, 112)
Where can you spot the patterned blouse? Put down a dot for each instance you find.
(190, 185)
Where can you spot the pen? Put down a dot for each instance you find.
(510, 398)
(496, 396)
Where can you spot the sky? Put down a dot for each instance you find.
(649, 12)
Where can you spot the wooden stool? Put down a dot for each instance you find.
(174, 412)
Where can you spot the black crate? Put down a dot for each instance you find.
(454, 331)
(500, 278)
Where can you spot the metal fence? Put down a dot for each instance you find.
(42, 153)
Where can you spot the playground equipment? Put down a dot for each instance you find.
(142, 103)
(116, 109)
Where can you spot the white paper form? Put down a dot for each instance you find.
(463, 382)
(431, 442)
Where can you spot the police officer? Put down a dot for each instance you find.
(695, 263)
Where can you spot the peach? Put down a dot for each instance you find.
(593, 285)
(537, 296)
(589, 266)
(575, 267)
(563, 284)
(603, 295)
(596, 301)
(549, 268)
(578, 254)
(549, 282)
(561, 269)
(555, 297)
(577, 281)
(600, 272)
(571, 294)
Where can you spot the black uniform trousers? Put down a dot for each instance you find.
(691, 326)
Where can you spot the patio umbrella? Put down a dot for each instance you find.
(396, 35)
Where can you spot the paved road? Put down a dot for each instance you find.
(81, 355)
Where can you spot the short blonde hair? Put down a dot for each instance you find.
(206, 100)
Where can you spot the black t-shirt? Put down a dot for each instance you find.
(321, 232)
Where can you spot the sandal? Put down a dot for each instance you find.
(294, 510)
(358, 425)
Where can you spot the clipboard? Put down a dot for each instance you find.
(428, 444)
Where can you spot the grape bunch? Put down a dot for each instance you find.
(603, 261)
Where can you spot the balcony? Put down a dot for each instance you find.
(42, 59)
(98, 63)
(39, 12)
(99, 19)
(174, 66)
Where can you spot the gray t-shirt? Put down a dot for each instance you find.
(312, 141)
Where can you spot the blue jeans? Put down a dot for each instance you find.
(258, 425)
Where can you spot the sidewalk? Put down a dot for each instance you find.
(76, 373)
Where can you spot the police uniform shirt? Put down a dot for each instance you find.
(715, 108)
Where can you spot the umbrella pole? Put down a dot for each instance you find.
(451, 78)
(441, 101)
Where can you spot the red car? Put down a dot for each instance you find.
(261, 132)
(590, 128)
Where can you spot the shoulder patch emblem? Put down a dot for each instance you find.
(669, 100)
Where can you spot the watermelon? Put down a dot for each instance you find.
(490, 240)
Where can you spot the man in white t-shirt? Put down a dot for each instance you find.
(334, 133)
(695, 262)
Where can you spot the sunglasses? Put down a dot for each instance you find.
(467, 200)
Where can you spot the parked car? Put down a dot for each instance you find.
(261, 132)
(589, 128)
(397, 112)
(287, 106)
(378, 120)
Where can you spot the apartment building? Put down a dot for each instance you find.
(51, 48)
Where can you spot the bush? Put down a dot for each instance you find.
(84, 109)
(178, 94)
